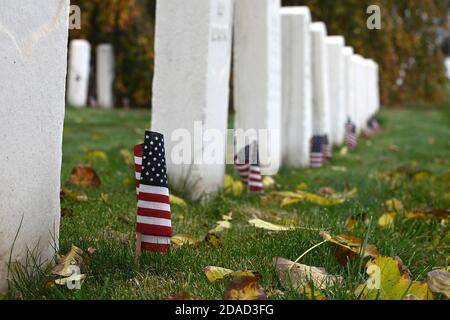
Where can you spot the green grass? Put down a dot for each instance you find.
(112, 273)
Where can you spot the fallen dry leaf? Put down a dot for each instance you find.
(439, 282)
(327, 191)
(268, 182)
(127, 156)
(66, 263)
(386, 221)
(393, 148)
(84, 176)
(312, 294)
(183, 239)
(94, 155)
(394, 205)
(216, 273)
(261, 224)
(298, 275)
(349, 247)
(438, 214)
(245, 288)
(183, 296)
(74, 195)
(213, 239)
(174, 200)
(387, 283)
(104, 197)
(290, 198)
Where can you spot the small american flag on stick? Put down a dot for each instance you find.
(317, 153)
(351, 139)
(154, 224)
(326, 148)
(247, 165)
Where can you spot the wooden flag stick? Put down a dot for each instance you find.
(138, 246)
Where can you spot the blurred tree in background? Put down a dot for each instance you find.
(129, 26)
(406, 47)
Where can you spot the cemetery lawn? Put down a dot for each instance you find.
(415, 139)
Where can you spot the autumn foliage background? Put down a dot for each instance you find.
(411, 62)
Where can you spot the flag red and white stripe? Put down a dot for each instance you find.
(246, 163)
(351, 139)
(317, 154)
(326, 148)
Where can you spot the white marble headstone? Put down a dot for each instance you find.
(78, 73)
(297, 86)
(33, 66)
(257, 76)
(320, 74)
(191, 89)
(105, 75)
(336, 65)
(349, 82)
(359, 100)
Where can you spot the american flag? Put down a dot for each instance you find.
(326, 148)
(247, 165)
(373, 124)
(351, 139)
(317, 153)
(154, 224)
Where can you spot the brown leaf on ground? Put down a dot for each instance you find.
(245, 288)
(84, 176)
(213, 239)
(393, 148)
(439, 214)
(66, 212)
(183, 296)
(327, 191)
(348, 247)
(299, 275)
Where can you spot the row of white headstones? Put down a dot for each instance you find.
(289, 78)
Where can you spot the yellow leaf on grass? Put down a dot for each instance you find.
(387, 220)
(394, 205)
(312, 294)
(216, 273)
(245, 288)
(238, 188)
(104, 197)
(177, 201)
(301, 196)
(228, 217)
(183, 239)
(261, 224)
(228, 183)
(234, 187)
(387, 283)
(221, 226)
(302, 186)
(94, 155)
(127, 156)
(268, 182)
